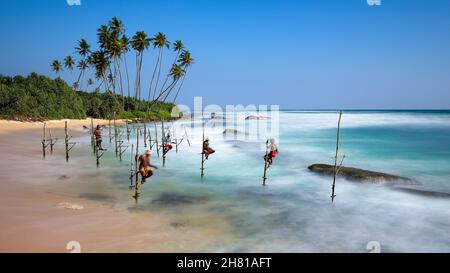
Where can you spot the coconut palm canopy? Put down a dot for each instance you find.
(108, 63)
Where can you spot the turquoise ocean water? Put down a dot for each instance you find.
(293, 213)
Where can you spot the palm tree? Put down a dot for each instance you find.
(103, 35)
(178, 46)
(116, 26)
(68, 64)
(101, 64)
(159, 41)
(56, 66)
(176, 72)
(114, 50)
(82, 65)
(186, 62)
(83, 49)
(139, 42)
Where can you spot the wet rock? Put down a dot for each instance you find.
(233, 132)
(359, 175)
(424, 192)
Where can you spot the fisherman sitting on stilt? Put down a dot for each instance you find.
(168, 143)
(206, 149)
(98, 137)
(145, 167)
(272, 152)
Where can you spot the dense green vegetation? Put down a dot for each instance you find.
(39, 98)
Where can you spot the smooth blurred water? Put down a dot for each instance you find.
(293, 213)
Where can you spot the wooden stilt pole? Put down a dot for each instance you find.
(43, 141)
(97, 156)
(176, 140)
(150, 139)
(92, 134)
(266, 163)
(203, 152)
(137, 167)
(110, 135)
(66, 141)
(132, 171)
(163, 143)
(115, 135)
(333, 195)
(128, 132)
(187, 137)
(69, 145)
(156, 140)
(145, 134)
(52, 141)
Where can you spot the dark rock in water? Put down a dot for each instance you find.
(173, 199)
(424, 192)
(359, 175)
(257, 118)
(232, 132)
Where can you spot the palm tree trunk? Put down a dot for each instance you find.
(159, 72)
(179, 89)
(153, 76)
(168, 76)
(126, 71)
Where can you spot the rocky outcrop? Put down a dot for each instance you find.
(233, 132)
(363, 176)
(257, 118)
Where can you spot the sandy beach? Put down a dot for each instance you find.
(41, 212)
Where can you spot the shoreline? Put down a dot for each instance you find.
(42, 205)
(7, 126)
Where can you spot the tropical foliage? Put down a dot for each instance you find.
(39, 98)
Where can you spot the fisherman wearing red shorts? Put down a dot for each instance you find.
(207, 151)
(272, 152)
(168, 146)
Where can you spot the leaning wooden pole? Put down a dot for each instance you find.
(187, 137)
(333, 195)
(266, 159)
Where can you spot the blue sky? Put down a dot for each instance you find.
(309, 54)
